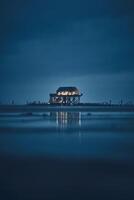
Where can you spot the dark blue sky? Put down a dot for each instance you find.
(45, 44)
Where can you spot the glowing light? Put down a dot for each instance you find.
(68, 93)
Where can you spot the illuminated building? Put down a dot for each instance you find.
(66, 96)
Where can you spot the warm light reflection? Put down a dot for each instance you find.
(67, 119)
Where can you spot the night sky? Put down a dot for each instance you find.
(45, 44)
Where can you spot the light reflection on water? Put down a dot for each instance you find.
(66, 119)
(69, 134)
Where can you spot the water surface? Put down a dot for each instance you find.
(71, 134)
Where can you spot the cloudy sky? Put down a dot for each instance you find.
(45, 44)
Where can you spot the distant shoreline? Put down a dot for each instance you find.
(53, 108)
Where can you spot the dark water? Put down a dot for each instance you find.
(67, 155)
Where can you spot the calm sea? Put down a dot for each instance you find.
(67, 155)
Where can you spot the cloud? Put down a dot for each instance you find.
(93, 46)
(30, 18)
(64, 40)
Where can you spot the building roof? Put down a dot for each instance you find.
(68, 89)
